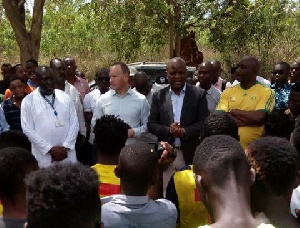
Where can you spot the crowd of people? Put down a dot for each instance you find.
(201, 152)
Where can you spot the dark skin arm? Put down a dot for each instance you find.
(248, 118)
(88, 117)
(168, 156)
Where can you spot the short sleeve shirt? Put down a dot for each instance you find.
(256, 98)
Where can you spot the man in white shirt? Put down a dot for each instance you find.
(204, 74)
(89, 101)
(48, 120)
(129, 105)
(59, 69)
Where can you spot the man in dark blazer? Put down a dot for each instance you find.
(178, 111)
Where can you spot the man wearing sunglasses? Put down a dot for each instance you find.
(89, 101)
(281, 86)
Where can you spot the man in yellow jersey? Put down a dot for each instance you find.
(248, 102)
(182, 189)
(110, 138)
(223, 178)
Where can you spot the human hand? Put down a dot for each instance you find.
(176, 131)
(168, 156)
(58, 153)
(131, 133)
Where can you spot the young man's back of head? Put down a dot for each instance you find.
(14, 138)
(15, 164)
(219, 124)
(275, 162)
(222, 160)
(223, 178)
(136, 170)
(63, 196)
(110, 134)
(137, 166)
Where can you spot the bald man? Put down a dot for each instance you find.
(204, 75)
(178, 111)
(216, 79)
(248, 102)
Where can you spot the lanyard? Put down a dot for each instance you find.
(51, 103)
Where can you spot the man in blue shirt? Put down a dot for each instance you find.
(123, 102)
(281, 86)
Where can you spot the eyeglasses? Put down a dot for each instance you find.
(279, 72)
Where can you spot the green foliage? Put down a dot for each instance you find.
(266, 29)
(99, 32)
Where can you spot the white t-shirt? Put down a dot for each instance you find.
(295, 201)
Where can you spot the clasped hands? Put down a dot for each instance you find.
(176, 131)
(58, 153)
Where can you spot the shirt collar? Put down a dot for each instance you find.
(209, 92)
(129, 92)
(181, 92)
(130, 199)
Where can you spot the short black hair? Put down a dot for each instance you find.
(295, 87)
(219, 124)
(15, 66)
(124, 67)
(275, 162)
(219, 155)
(233, 69)
(111, 134)
(52, 62)
(32, 61)
(64, 195)
(14, 138)
(6, 65)
(285, 65)
(279, 124)
(15, 164)
(103, 72)
(141, 82)
(13, 78)
(137, 163)
(42, 69)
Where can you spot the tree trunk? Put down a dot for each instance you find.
(171, 34)
(177, 11)
(28, 41)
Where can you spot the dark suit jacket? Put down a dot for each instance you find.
(193, 113)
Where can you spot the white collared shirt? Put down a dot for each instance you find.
(39, 124)
(75, 97)
(177, 102)
(89, 101)
(132, 108)
(137, 211)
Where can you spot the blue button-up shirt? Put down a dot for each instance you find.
(132, 108)
(177, 102)
(137, 211)
(282, 94)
